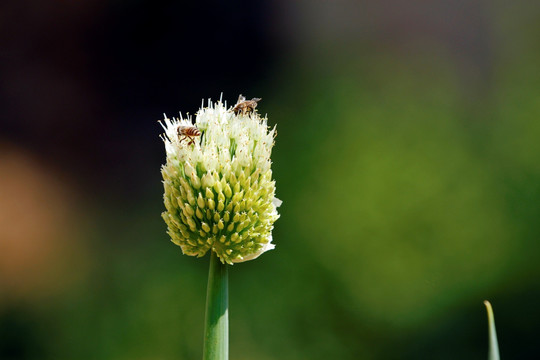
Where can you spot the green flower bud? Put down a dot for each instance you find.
(219, 192)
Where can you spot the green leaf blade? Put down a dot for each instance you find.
(493, 353)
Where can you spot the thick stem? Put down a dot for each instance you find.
(216, 329)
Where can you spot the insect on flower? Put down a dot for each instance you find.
(188, 132)
(244, 106)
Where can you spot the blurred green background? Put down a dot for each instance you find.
(407, 159)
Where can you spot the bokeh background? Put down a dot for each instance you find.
(407, 157)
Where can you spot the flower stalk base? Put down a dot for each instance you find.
(216, 330)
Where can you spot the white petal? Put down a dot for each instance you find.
(266, 247)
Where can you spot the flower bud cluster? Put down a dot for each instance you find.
(219, 192)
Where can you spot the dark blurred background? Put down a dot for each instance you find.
(407, 157)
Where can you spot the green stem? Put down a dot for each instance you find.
(216, 329)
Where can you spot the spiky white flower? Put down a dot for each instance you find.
(219, 192)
